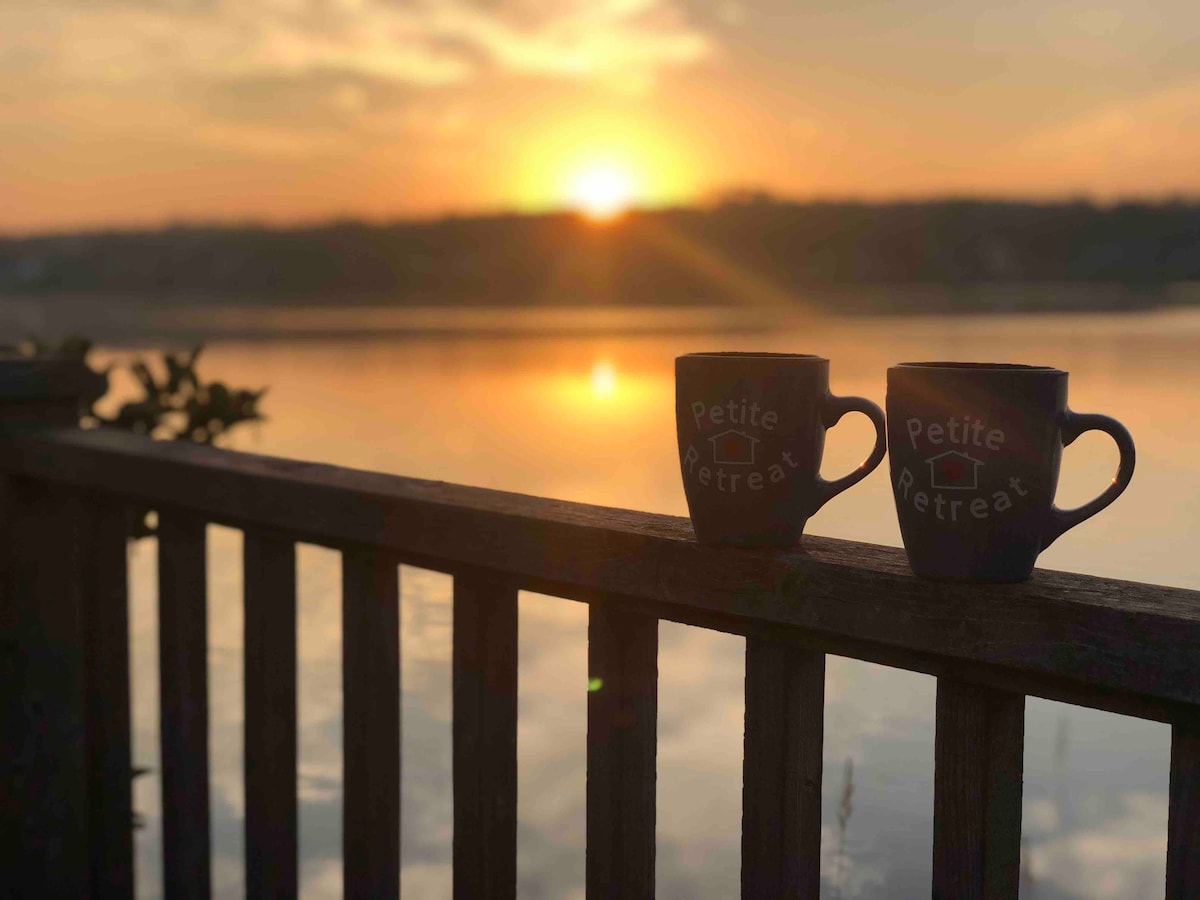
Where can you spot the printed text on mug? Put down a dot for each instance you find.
(953, 474)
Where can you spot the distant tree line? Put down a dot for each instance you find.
(749, 247)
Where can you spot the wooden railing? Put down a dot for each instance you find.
(64, 498)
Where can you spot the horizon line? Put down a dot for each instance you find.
(724, 199)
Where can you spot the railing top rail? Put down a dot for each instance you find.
(1119, 645)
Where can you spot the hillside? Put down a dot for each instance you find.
(754, 249)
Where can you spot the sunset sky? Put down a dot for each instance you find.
(139, 112)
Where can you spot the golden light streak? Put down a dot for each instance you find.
(601, 163)
(741, 283)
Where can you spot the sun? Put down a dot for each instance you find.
(601, 192)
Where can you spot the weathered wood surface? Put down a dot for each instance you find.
(270, 723)
(1131, 646)
(485, 738)
(370, 725)
(621, 753)
(977, 788)
(183, 703)
(781, 771)
(1183, 821)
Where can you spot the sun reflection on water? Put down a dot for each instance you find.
(604, 379)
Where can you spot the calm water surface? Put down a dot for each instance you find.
(591, 419)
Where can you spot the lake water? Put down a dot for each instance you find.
(589, 417)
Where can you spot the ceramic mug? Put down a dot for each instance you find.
(975, 451)
(751, 430)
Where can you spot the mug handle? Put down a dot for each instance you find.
(831, 413)
(1073, 425)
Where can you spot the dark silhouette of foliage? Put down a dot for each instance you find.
(668, 256)
(841, 859)
(175, 405)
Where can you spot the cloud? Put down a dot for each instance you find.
(618, 41)
(423, 44)
(124, 44)
(286, 78)
(1120, 857)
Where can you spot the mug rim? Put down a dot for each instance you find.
(749, 354)
(1011, 368)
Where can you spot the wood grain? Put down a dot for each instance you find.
(1123, 646)
(371, 725)
(781, 771)
(1105, 642)
(183, 703)
(270, 726)
(485, 738)
(621, 753)
(1183, 820)
(978, 766)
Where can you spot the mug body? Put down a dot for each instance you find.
(974, 451)
(751, 436)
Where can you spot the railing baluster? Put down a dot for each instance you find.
(978, 768)
(1183, 822)
(371, 724)
(44, 772)
(485, 739)
(183, 694)
(270, 739)
(65, 793)
(781, 771)
(106, 631)
(621, 753)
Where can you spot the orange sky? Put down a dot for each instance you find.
(135, 112)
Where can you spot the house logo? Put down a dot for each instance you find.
(955, 495)
(954, 471)
(733, 448)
